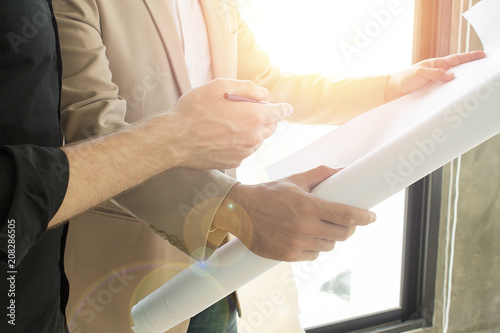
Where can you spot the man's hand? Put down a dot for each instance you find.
(422, 73)
(281, 220)
(212, 132)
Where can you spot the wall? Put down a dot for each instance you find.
(475, 293)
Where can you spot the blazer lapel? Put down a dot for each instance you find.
(160, 12)
(221, 21)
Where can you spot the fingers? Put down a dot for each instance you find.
(317, 245)
(336, 232)
(431, 74)
(346, 215)
(476, 55)
(453, 60)
(309, 247)
(309, 255)
(247, 89)
(273, 113)
(325, 245)
(267, 113)
(461, 58)
(311, 178)
(436, 69)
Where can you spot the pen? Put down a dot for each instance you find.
(236, 98)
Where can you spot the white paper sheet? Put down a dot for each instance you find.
(383, 151)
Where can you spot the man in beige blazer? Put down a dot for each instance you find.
(123, 61)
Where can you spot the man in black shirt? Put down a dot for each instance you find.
(42, 185)
(29, 99)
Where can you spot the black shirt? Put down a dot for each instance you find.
(33, 171)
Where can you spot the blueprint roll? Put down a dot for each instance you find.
(464, 121)
(383, 151)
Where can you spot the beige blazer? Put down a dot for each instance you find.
(122, 63)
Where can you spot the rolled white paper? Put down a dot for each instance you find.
(383, 151)
(198, 287)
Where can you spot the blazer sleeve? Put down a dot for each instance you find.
(178, 204)
(317, 99)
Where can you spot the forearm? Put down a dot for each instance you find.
(321, 99)
(104, 167)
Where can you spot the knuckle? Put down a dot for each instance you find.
(289, 256)
(247, 143)
(253, 141)
(250, 84)
(349, 217)
(300, 205)
(295, 243)
(323, 168)
(250, 150)
(307, 207)
(287, 253)
(303, 229)
(218, 82)
(233, 165)
(344, 234)
(314, 256)
(327, 245)
(278, 111)
(421, 71)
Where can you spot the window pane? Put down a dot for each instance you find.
(340, 38)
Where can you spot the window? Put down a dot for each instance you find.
(379, 276)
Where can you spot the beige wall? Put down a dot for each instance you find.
(475, 295)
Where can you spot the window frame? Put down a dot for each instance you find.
(423, 209)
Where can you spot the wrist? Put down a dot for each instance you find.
(389, 90)
(159, 135)
(392, 88)
(232, 217)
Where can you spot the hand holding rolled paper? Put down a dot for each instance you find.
(426, 71)
(281, 220)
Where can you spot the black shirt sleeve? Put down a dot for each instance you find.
(33, 185)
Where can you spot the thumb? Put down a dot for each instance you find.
(310, 179)
(248, 89)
